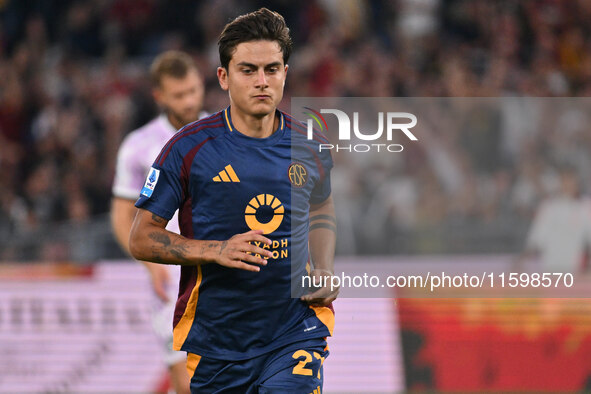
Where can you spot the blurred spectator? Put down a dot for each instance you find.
(560, 235)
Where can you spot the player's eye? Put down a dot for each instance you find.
(272, 70)
(247, 71)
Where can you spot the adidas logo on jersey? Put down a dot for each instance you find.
(226, 175)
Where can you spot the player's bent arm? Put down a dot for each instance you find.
(322, 241)
(150, 241)
(323, 234)
(122, 214)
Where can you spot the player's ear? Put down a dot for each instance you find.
(157, 95)
(223, 77)
(285, 74)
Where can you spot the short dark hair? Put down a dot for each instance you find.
(263, 24)
(176, 64)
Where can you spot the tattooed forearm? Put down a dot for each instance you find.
(159, 237)
(149, 241)
(165, 245)
(157, 219)
(322, 235)
(323, 221)
(328, 226)
(156, 256)
(205, 247)
(223, 246)
(180, 252)
(323, 217)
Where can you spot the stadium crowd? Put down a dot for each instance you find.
(73, 82)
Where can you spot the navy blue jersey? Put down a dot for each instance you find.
(225, 183)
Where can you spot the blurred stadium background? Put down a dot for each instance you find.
(73, 83)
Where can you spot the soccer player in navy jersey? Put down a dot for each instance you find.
(255, 210)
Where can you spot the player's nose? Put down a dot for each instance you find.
(261, 79)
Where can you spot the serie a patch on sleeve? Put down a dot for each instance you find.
(151, 181)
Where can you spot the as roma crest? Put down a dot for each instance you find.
(298, 175)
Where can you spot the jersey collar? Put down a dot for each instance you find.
(270, 140)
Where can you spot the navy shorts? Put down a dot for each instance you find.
(294, 369)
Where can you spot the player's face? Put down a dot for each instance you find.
(181, 98)
(255, 77)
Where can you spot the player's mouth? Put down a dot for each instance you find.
(262, 97)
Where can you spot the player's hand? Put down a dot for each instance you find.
(240, 251)
(322, 295)
(160, 279)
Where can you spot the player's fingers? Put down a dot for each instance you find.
(238, 255)
(319, 301)
(257, 236)
(255, 249)
(322, 296)
(249, 234)
(244, 266)
(262, 239)
(250, 258)
(253, 232)
(317, 295)
(314, 301)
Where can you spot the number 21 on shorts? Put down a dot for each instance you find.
(305, 358)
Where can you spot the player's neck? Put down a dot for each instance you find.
(176, 123)
(252, 126)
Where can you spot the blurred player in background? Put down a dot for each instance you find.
(560, 235)
(178, 90)
(231, 176)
